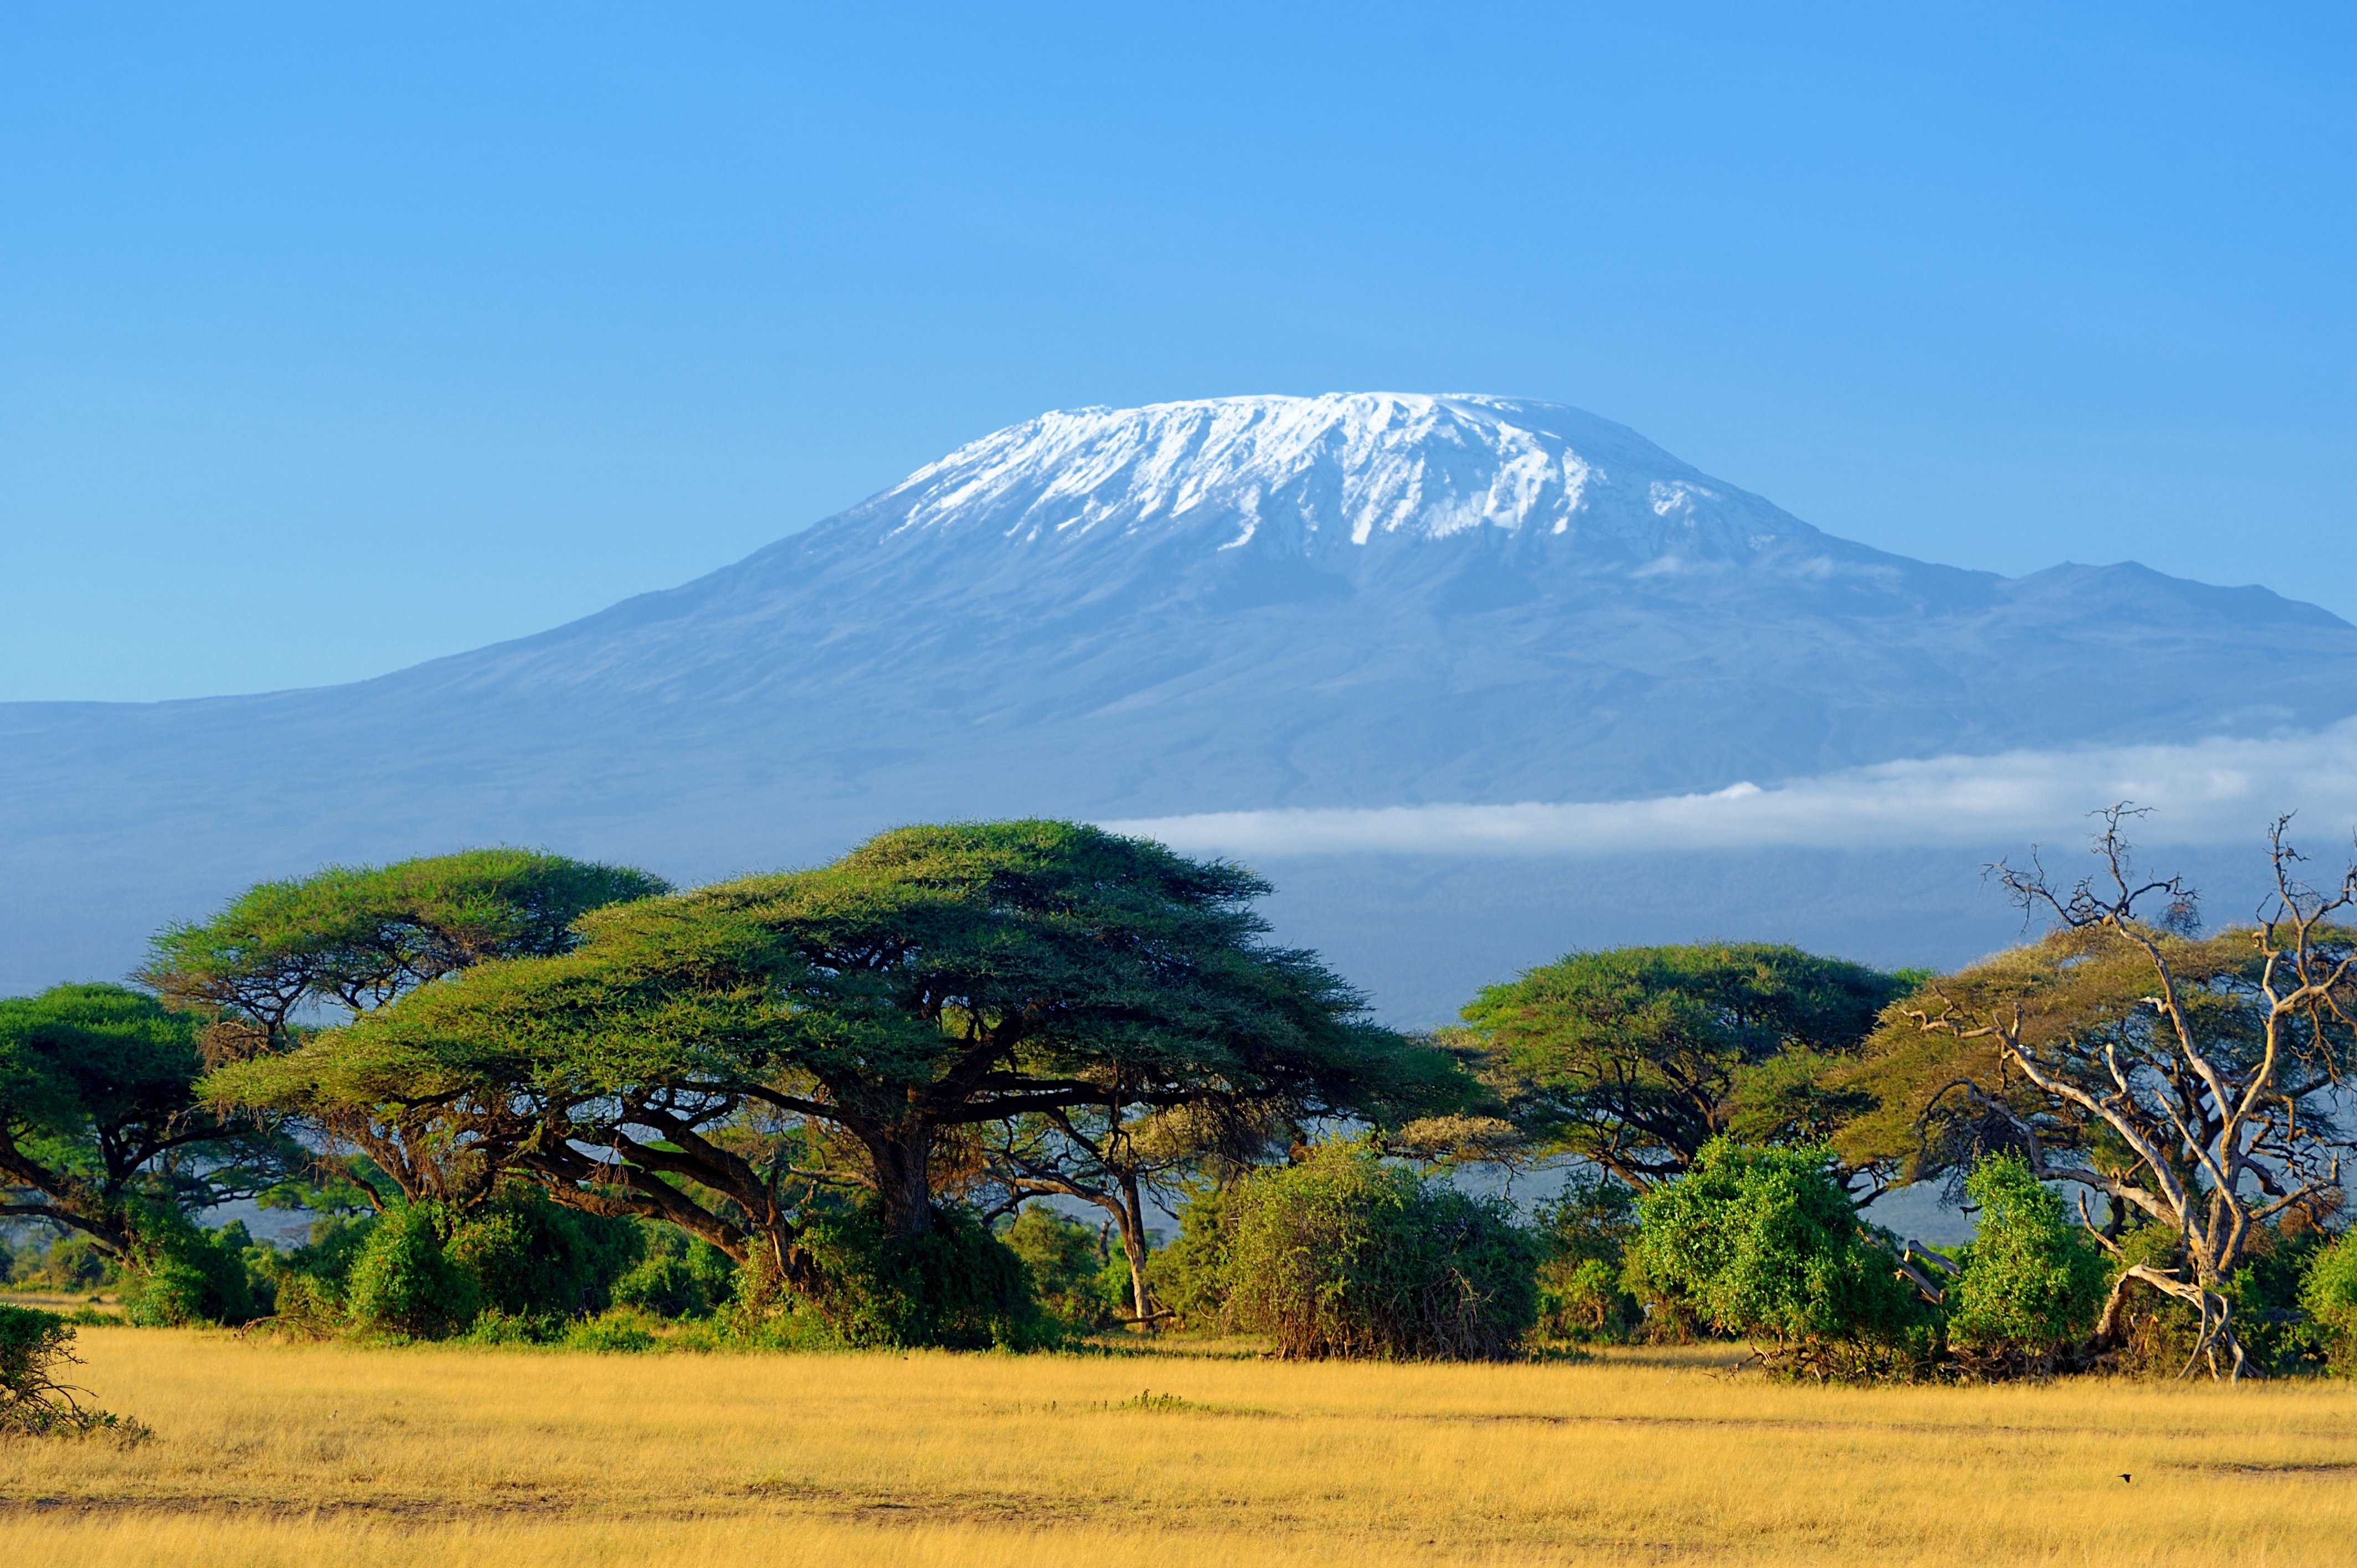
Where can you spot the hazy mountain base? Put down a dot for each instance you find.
(1365, 601)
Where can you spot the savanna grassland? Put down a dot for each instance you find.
(275, 1453)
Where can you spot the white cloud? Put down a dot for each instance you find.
(2214, 791)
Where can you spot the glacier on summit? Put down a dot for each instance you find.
(1251, 605)
(1346, 466)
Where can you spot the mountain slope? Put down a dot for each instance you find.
(1353, 600)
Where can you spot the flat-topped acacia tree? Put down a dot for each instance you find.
(932, 980)
(285, 956)
(1637, 1058)
(101, 1131)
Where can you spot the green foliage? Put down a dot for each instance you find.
(1636, 1057)
(1071, 1266)
(34, 1346)
(99, 1123)
(1762, 1244)
(513, 1269)
(356, 937)
(676, 1276)
(2328, 1293)
(621, 1331)
(1189, 1277)
(953, 1286)
(73, 1261)
(2032, 1281)
(403, 1282)
(1587, 1230)
(1345, 1255)
(2278, 1337)
(529, 1258)
(182, 1274)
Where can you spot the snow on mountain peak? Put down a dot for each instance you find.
(1322, 473)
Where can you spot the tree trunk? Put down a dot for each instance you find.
(1133, 1245)
(904, 1192)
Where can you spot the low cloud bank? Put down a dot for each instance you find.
(2212, 791)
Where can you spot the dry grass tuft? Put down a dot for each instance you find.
(309, 1453)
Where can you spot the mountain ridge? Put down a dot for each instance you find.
(1347, 601)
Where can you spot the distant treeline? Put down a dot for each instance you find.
(522, 1098)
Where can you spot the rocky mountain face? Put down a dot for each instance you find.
(1351, 600)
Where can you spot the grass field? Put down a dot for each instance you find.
(329, 1455)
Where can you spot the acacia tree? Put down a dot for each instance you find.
(1637, 1058)
(2190, 1080)
(100, 1129)
(349, 940)
(933, 981)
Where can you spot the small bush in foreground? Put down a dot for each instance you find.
(1345, 1255)
(34, 1347)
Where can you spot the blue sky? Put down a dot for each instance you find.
(335, 337)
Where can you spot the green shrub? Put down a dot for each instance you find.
(1069, 1266)
(183, 1274)
(624, 1330)
(72, 1262)
(308, 1283)
(1762, 1244)
(956, 1285)
(2032, 1282)
(34, 1346)
(529, 1258)
(2328, 1293)
(1345, 1255)
(403, 1282)
(676, 1276)
(1586, 1232)
(1189, 1277)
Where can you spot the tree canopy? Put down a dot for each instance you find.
(1636, 1057)
(697, 1057)
(99, 1128)
(285, 956)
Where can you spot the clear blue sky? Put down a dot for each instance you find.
(333, 338)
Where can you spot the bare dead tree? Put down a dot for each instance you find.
(2201, 1071)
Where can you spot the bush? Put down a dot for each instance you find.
(1585, 1231)
(1344, 1255)
(676, 1276)
(1189, 1278)
(185, 1275)
(2328, 1293)
(35, 1346)
(529, 1258)
(624, 1330)
(956, 1285)
(1070, 1265)
(2032, 1282)
(1762, 1244)
(72, 1262)
(403, 1282)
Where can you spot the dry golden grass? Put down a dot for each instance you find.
(267, 1454)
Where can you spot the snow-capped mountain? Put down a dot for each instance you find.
(1345, 471)
(1354, 600)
